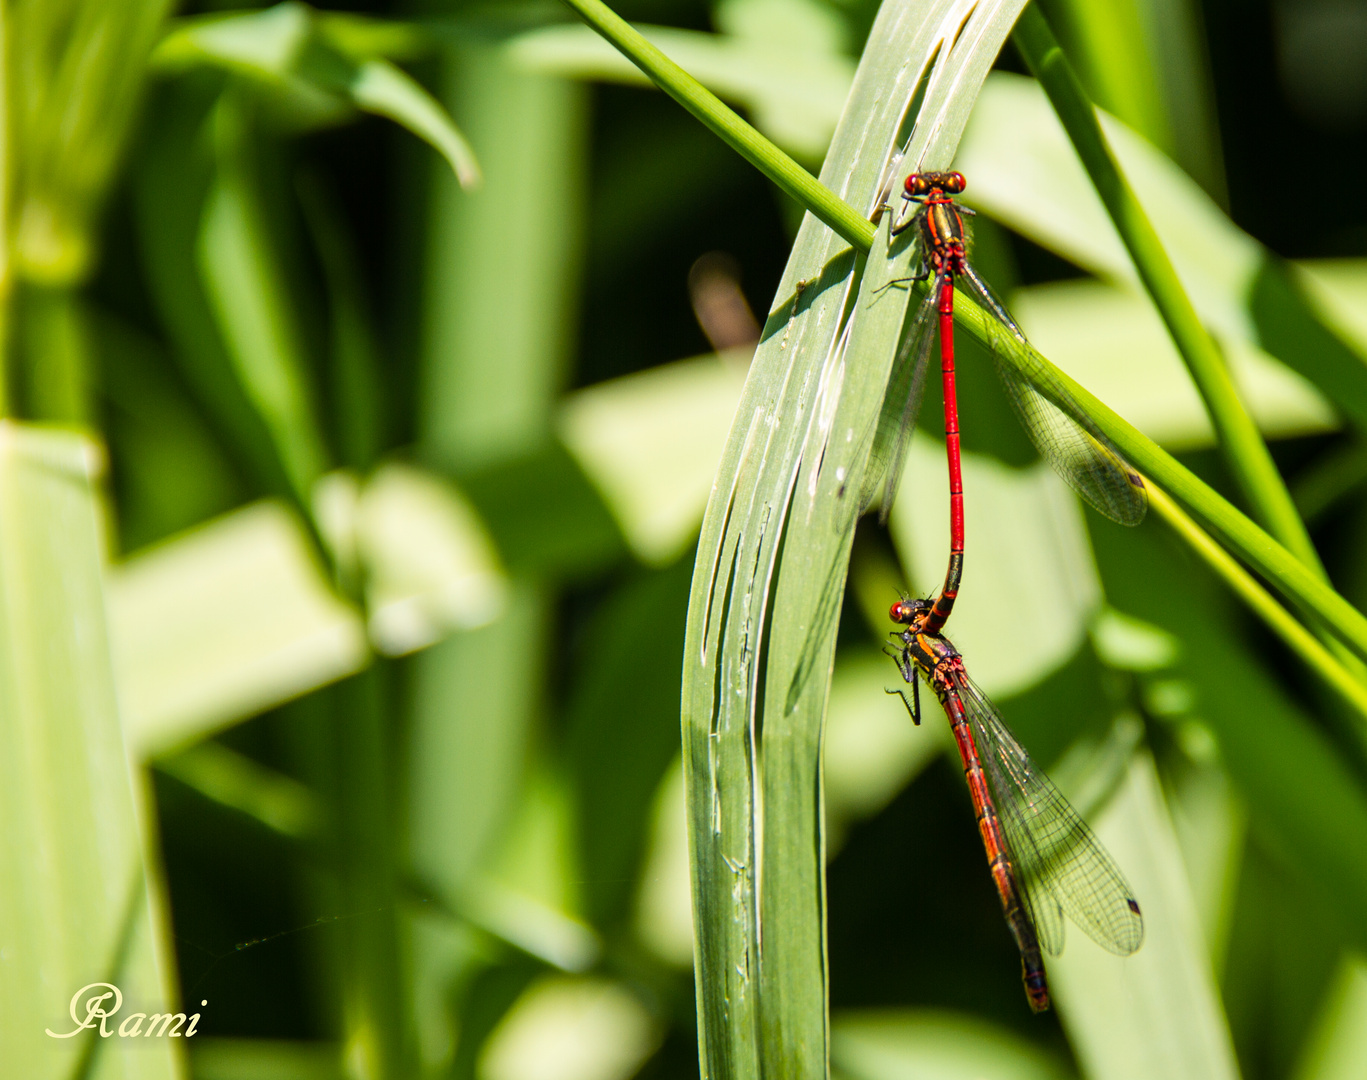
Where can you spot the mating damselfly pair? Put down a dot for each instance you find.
(1045, 861)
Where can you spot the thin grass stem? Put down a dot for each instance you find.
(1277, 619)
(1242, 444)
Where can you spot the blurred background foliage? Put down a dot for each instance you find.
(410, 335)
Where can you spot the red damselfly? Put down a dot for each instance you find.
(1045, 861)
(1081, 455)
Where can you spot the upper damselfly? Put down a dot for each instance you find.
(1081, 455)
(1045, 861)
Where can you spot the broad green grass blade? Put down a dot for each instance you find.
(223, 622)
(622, 730)
(497, 300)
(246, 286)
(1337, 1048)
(1158, 1012)
(918, 1044)
(172, 178)
(760, 635)
(79, 903)
(650, 442)
(497, 283)
(237, 616)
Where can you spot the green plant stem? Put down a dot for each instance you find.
(1296, 581)
(1244, 450)
(1277, 619)
(726, 124)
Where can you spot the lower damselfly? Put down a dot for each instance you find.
(1045, 861)
(1081, 455)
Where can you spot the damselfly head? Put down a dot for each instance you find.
(907, 611)
(919, 185)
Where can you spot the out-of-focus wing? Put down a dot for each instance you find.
(901, 407)
(1082, 455)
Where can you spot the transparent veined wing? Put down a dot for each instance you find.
(901, 408)
(1082, 455)
(1058, 859)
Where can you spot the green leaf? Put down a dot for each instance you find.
(232, 779)
(236, 616)
(309, 58)
(224, 622)
(1337, 1048)
(268, 42)
(474, 704)
(428, 565)
(491, 286)
(1147, 64)
(80, 898)
(246, 286)
(1115, 57)
(909, 1044)
(173, 472)
(761, 631)
(379, 87)
(622, 730)
(592, 1026)
(650, 442)
(663, 917)
(358, 400)
(172, 178)
(1158, 1012)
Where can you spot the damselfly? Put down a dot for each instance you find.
(1045, 861)
(1081, 455)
